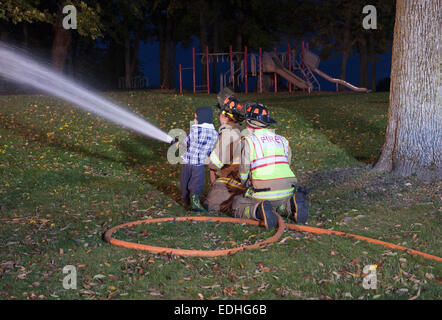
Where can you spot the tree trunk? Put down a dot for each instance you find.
(172, 65)
(71, 63)
(372, 58)
(162, 45)
(134, 56)
(214, 62)
(239, 29)
(203, 40)
(363, 66)
(25, 35)
(413, 137)
(130, 60)
(61, 42)
(346, 49)
(127, 73)
(347, 45)
(165, 38)
(345, 55)
(75, 44)
(4, 30)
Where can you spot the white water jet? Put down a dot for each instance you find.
(21, 69)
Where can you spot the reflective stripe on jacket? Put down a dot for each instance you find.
(269, 168)
(268, 156)
(226, 150)
(230, 182)
(270, 195)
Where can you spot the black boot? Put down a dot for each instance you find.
(299, 205)
(264, 212)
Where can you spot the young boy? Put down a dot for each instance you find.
(199, 142)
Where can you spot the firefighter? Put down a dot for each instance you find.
(224, 159)
(265, 172)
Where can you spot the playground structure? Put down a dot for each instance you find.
(298, 70)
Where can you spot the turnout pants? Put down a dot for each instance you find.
(245, 207)
(219, 197)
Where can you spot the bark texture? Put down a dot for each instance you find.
(346, 49)
(372, 60)
(165, 39)
(204, 35)
(413, 141)
(61, 42)
(363, 67)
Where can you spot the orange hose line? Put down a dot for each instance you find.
(215, 253)
(370, 240)
(193, 253)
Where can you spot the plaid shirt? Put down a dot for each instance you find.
(200, 142)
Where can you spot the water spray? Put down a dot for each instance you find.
(22, 69)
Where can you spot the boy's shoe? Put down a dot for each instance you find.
(299, 204)
(195, 201)
(264, 212)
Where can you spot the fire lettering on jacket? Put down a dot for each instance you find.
(271, 139)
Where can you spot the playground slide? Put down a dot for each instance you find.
(271, 63)
(340, 81)
(290, 76)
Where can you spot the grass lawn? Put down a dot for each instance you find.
(66, 177)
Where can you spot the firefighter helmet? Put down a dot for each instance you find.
(232, 108)
(257, 112)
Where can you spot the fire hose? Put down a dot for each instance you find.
(222, 252)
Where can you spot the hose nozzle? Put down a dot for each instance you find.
(174, 141)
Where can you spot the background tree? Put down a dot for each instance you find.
(127, 23)
(413, 138)
(337, 28)
(372, 42)
(15, 13)
(255, 24)
(47, 30)
(88, 25)
(171, 27)
(110, 31)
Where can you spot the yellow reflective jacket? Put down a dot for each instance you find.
(265, 161)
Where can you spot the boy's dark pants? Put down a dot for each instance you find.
(191, 181)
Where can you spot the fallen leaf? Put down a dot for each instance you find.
(417, 294)
(228, 291)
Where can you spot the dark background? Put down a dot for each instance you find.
(117, 40)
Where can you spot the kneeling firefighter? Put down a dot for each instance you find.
(266, 174)
(224, 159)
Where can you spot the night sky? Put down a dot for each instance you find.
(149, 56)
